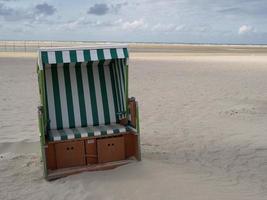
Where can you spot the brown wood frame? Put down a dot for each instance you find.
(90, 158)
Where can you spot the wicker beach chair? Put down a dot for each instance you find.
(86, 120)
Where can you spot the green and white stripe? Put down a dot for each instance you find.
(90, 131)
(85, 94)
(69, 55)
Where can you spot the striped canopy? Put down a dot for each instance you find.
(47, 56)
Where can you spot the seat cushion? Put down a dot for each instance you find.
(83, 132)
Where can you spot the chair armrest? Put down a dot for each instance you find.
(132, 106)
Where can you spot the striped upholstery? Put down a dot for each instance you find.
(75, 133)
(85, 94)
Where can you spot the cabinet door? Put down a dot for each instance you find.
(110, 149)
(70, 154)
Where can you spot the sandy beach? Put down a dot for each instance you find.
(203, 128)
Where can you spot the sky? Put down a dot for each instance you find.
(167, 21)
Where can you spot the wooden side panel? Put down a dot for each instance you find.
(110, 149)
(132, 108)
(70, 154)
(91, 151)
(50, 155)
(130, 141)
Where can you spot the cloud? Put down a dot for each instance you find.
(11, 14)
(45, 9)
(72, 25)
(230, 10)
(30, 14)
(117, 7)
(245, 29)
(4, 10)
(134, 25)
(84, 23)
(98, 9)
(167, 27)
(248, 8)
(103, 9)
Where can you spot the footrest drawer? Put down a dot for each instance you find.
(110, 149)
(70, 154)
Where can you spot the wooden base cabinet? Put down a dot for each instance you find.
(90, 152)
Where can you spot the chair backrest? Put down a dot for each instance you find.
(85, 93)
